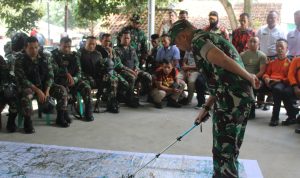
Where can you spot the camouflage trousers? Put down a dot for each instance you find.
(107, 85)
(228, 133)
(143, 78)
(11, 102)
(84, 89)
(58, 92)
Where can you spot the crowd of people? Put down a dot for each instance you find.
(182, 57)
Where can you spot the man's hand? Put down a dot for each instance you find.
(255, 81)
(41, 96)
(201, 116)
(70, 79)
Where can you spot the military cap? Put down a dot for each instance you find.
(177, 27)
(136, 18)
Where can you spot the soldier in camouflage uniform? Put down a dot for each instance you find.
(8, 95)
(138, 39)
(98, 71)
(34, 75)
(132, 72)
(67, 72)
(230, 92)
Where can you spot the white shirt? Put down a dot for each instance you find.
(268, 38)
(293, 39)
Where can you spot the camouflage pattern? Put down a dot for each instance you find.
(234, 97)
(70, 63)
(138, 42)
(6, 79)
(104, 77)
(39, 73)
(143, 77)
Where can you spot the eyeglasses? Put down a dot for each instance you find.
(107, 41)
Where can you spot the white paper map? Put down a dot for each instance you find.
(34, 160)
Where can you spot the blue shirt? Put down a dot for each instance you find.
(170, 53)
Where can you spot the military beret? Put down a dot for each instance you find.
(178, 27)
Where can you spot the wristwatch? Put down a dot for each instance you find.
(207, 108)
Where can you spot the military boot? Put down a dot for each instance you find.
(28, 127)
(88, 113)
(60, 120)
(113, 105)
(67, 117)
(11, 124)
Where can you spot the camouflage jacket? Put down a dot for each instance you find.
(65, 63)
(37, 72)
(223, 84)
(138, 40)
(128, 57)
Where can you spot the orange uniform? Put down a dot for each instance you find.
(278, 69)
(294, 72)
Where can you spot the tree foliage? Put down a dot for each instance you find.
(19, 15)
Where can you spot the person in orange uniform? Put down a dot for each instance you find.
(294, 79)
(276, 79)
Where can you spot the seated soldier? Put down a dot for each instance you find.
(8, 95)
(129, 59)
(34, 75)
(189, 74)
(294, 79)
(167, 84)
(67, 72)
(110, 57)
(95, 69)
(276, 79)
(151, 63)
(255, 62)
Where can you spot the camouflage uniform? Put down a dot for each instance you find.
(39, 73)
(129, 60)
(138, 42)
(8, 94)
(70, 63)
(234, 97)
(96, 70)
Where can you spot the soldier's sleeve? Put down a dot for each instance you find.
(136, 60)
(144, 49)
(78, 69)
(50, 77)
(55, 66)
(21, 78)
(117, 61)
(203, 43)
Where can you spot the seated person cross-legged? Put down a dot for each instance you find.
(294, 79)
(276, 79)
(167, 85)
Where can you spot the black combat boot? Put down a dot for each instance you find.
(28, 127)
(113, 105)
(67, 117)
(88, 113)
(132, 100)
(11, 124)
(60, 120)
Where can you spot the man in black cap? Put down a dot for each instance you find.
(214, 26)
(151, 63)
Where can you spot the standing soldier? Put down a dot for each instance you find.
(229, 88)
(138, 38)
(8, 95)
(67, 72)
(34, 75)
(130, 61)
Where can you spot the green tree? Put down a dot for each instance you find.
(19, 15)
